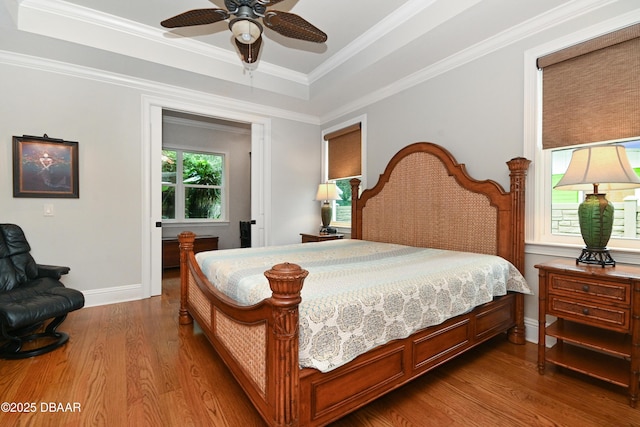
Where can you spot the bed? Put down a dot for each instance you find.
(262, 338)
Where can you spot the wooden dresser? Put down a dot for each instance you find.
(598, 321)
(171, 249)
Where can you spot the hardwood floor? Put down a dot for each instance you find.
(130, 364)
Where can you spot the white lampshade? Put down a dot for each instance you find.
(246, 31)
(607, 167)
(328, 191)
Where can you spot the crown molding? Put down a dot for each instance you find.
(505, 38)
(150, 87)
(375, 33)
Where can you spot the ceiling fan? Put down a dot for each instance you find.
(245, 26)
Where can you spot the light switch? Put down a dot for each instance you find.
(48, 209)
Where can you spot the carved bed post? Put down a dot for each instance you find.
(286, 282)
(356, 226)
(186, 240)
(518, 167)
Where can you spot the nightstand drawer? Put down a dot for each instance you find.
(606, 316)
(591, 289)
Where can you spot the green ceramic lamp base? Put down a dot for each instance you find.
(596, 222)
(325, 213)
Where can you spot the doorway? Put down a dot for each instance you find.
(212, 152)
(152, 177)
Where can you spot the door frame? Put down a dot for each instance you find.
(152, 107)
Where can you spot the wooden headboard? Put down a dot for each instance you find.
(425, 198)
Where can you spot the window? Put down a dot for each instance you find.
(199, 195)
(584, 94)
(564, 204)
(343, 162)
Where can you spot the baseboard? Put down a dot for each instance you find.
(531, 330)
(113, 295)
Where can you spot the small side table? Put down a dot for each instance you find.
(320, 237)
(598, 321)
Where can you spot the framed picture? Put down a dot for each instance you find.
(45, 167)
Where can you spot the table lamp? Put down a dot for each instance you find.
(597, 168)
(326, 192)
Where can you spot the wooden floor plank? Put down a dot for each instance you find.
(131, 364)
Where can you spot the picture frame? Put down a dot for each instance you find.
(45, 167)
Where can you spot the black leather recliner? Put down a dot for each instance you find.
(30, 295)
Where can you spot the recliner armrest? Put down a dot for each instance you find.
(53, 271)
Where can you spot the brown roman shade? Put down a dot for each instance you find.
(591, 91)
(345, 152)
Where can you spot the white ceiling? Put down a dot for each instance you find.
(372, 45)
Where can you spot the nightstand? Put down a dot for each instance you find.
(320, 237)
(598, 321)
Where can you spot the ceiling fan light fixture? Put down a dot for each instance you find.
(245, 30)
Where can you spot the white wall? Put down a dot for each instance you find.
(100, 234)
(97, 235)
(475, 111)
(295, 161)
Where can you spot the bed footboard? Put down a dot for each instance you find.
(259, 343)
(260, 346)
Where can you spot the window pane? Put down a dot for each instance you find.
(168, 202)
(168, 166)
(564, 204)
(198, 194)
(202, 169)
(202, 203)
(342, 211)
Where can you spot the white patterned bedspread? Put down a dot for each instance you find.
(359, 295)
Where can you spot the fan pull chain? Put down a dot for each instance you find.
(248, 69)
(250, 63)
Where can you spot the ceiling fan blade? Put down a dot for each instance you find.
(268, 3)
(291, 25)
(250, 52)
(196, 17)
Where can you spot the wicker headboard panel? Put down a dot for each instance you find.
(425, 198)
(442, 214)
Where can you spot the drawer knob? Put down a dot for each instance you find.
(585, 288)
(585, 311)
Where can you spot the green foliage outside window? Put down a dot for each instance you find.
(342, 211)
(201, 184)
(169, 170)
(345, 186)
